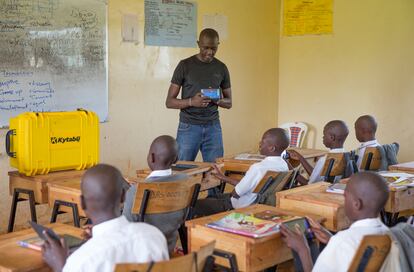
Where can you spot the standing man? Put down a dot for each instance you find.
(199, 127)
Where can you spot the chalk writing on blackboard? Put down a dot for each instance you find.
(170, 23)
(52, 56)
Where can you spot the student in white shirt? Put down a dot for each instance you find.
(114, 239)
(273, 143)
(334, 136)
(365, 129)
(365, 195)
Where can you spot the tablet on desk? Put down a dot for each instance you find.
(182, 167)
(72, 242)
(303, 224)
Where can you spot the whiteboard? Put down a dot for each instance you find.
(53, 56)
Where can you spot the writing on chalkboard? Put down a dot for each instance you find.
(18, 94)
(52, 56)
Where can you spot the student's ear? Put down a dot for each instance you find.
(152, 157)
(83, 203)
(272, 148)
(358, 204)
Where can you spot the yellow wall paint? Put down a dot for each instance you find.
(366, 66)
(139, 78)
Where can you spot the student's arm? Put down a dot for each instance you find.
(218, 174)
(54, 253)
(296, 241)
(296, 156)
(172, 102)
(226, 101)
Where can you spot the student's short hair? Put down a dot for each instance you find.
(209, 33)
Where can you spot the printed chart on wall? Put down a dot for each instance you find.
(307, 17)
(53, 56)
(170, 23)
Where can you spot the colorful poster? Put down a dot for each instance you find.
(307, 17)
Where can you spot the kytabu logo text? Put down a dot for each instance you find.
(62, 140)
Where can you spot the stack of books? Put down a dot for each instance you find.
(257, 225)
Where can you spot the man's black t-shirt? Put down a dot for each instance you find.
(193, 75)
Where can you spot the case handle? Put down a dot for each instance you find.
(8, 141)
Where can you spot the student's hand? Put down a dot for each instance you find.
(199, 101)
(87, 232)
(295, 240)
(54, 252)
(217, 172)
(322, 234)
(294, 155)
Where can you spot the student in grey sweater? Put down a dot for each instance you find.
(162, 154)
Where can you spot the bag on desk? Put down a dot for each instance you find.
(39, 143)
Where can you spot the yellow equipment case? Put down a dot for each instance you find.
(39, 143)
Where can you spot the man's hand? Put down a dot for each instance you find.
(54, 252)
(199, 101)
(322, 234)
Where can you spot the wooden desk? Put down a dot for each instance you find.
(406, 167)
(15, 258)
(34, 189)
(232, 165)
(251, 254)
(39, 184)
(201, 174)
(64, 196)
(314, 200)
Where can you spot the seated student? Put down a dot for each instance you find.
(162, 154)
(273, 143)
(365, 195)
(334, 136)
(365, 129)
(114, 239)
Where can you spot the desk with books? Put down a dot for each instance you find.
(313, 199)
(239, 164)
(252, 254)
(407, 167)
(15, 258)
(199, 172)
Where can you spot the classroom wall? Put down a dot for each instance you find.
(139, 77)
(365, 66)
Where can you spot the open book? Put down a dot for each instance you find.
(248, 225)
(398, 179)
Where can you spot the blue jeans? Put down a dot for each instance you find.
(206, 138)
